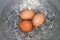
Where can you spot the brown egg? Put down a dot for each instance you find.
(26, 26)
(27, 14)
(25, 20)
(38, 20)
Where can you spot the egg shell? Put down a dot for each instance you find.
(26, 14)
(26, 26)
(38, 20)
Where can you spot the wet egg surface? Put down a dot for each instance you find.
(26, 26)
(38, 19)
(26, 14)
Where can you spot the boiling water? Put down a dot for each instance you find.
(12, 20)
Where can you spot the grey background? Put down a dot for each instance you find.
(56, 4)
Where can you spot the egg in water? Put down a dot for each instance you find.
(25, 26)
(38, 19)
(26, 14)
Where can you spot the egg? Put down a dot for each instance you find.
(25, 20)
(26, 14)
(38, 20)
(25, 26)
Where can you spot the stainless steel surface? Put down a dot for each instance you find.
(54, 3)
